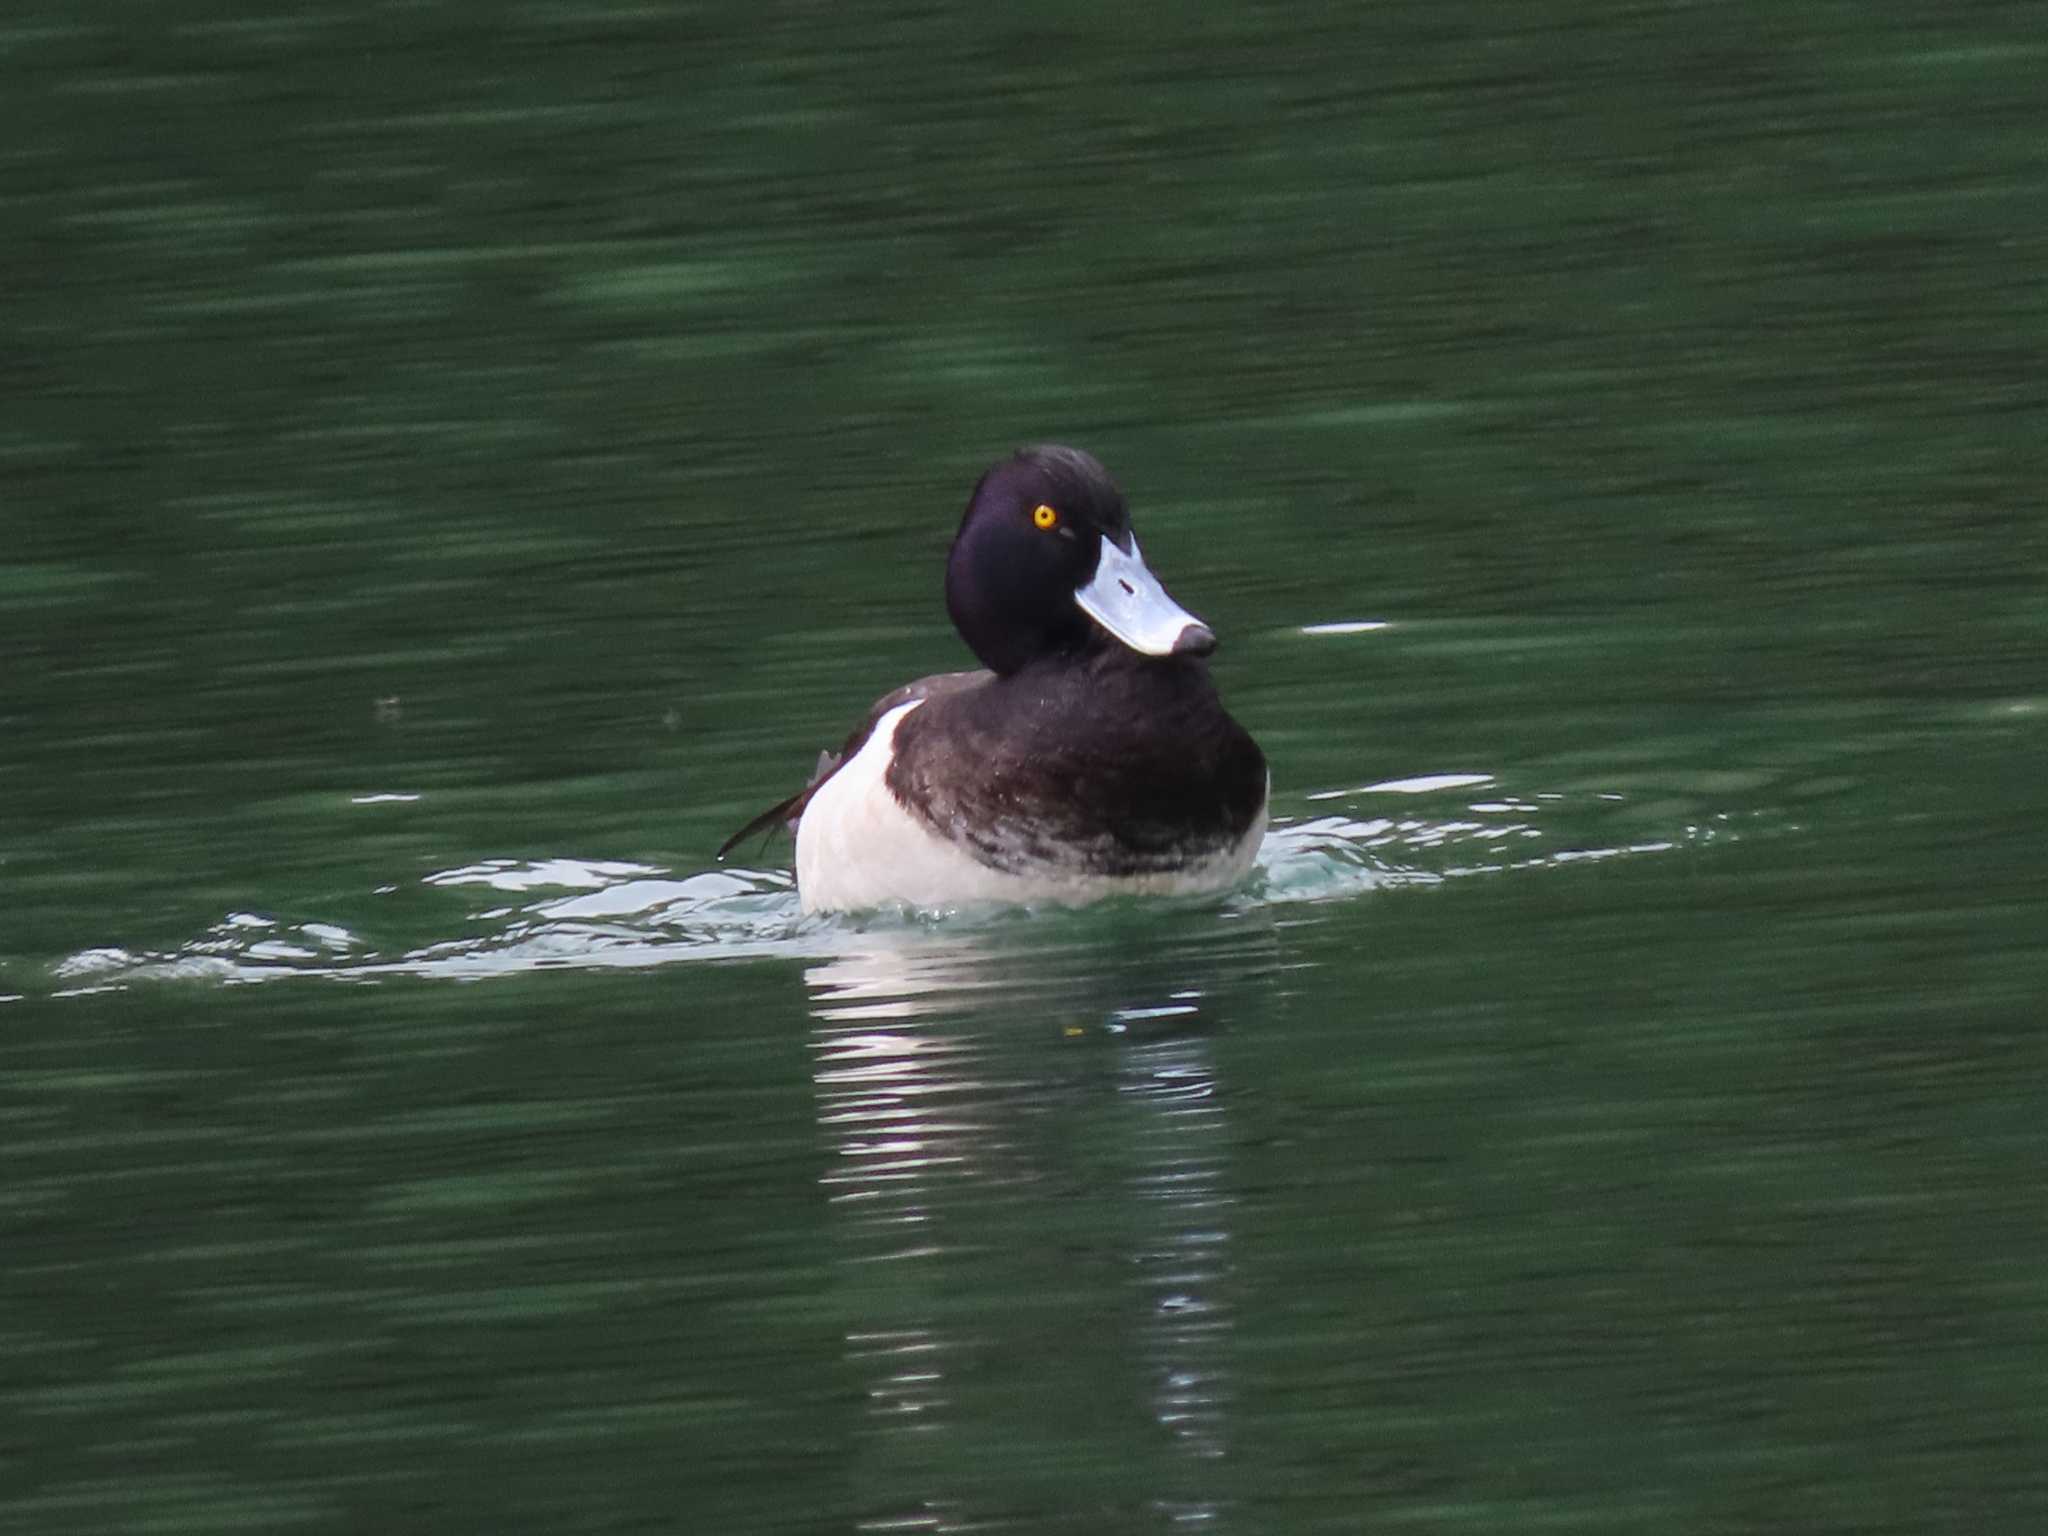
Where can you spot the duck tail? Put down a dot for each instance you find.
(785, 811)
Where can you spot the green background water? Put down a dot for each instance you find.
(457, 462)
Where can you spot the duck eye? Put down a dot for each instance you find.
(1043, 516)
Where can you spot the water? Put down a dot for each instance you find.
(459, 464)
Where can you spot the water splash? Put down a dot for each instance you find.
(565, 912)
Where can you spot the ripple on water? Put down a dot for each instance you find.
(572, 913)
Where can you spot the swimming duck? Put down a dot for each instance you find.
(1090, 757)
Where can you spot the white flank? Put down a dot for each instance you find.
(856, 848)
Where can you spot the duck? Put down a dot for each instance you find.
(1089, 755)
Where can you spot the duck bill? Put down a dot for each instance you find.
(1125, 598)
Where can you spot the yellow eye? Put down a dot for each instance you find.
(1044, 517)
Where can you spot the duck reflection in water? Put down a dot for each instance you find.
(1034, 1222)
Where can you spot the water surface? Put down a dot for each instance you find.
(460, 463)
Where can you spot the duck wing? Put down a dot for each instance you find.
(790, 811)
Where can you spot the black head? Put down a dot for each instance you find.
(1045, 563)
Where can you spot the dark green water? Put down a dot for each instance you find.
(457, 462)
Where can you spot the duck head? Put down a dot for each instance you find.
(1045, 563)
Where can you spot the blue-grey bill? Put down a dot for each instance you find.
(1125, 598)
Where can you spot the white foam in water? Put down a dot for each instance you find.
(603, 914)
(1345, 627)
(512, 875)
(1422, 784)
